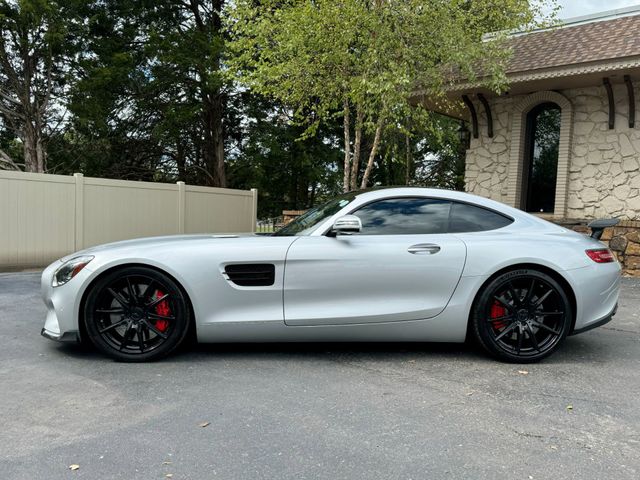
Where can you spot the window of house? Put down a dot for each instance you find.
(542, 139)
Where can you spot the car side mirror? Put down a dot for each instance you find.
(346, 224)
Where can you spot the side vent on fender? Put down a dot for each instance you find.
(251, 274)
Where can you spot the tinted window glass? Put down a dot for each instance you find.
(541, 160)
(404, 216)
(468, 218)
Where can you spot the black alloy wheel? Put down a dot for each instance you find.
(522, 316)
(136, 314)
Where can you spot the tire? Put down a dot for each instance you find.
(521, 316)
(136, 314)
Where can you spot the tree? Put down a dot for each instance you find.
(361, 60)
(290, 173)
(150, 94)
(421, 154)
(33, 55)
(186, 41)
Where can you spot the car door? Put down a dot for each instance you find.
(401, 266)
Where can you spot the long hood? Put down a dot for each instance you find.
(169, 242)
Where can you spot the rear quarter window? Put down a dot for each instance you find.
(469, 218)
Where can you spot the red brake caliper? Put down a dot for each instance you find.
(163, 309)
(497, 311)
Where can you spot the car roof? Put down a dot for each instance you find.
(389, 192)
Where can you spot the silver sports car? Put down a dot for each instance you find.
(396, 264)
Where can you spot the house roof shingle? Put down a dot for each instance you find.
(570, 45)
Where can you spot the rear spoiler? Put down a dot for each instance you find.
(598, 226)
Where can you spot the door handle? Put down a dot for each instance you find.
(424, 249)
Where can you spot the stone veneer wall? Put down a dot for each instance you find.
(624, 241)
(604, 166)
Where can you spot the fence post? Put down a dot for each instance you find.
(182, 201)
(79, 208)
(254, 209)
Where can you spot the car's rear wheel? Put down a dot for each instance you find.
(522, 316)
(136, 314)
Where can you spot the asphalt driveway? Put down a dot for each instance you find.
(323, 411)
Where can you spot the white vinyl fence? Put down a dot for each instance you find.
(44, 217)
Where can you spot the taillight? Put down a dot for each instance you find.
(601, 255)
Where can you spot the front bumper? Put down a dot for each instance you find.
(62, 303)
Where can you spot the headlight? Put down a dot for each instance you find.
(70, 269)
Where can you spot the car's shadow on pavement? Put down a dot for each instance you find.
(575, 349)
(370, 350)
(203, 352)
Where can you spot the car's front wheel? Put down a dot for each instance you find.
(136, 314)
(522, 316)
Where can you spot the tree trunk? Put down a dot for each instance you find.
(372, 156)
(347, 146)
(207, 136)
(30, 160)
(34, 153)
(41, 156)
(219, 173)
(213, 101)
(355, 165)
(180, 161)
(213, 147)
(407, 173)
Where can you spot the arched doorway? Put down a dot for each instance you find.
(540, 162)
(519, 150)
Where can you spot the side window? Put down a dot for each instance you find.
(404, 216)
(469, 218)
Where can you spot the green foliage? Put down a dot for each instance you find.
(318, 56)
(427, 154)
(36, 46)
(150, 94)
(289, 172)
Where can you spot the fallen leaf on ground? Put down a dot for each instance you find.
(204, 424)
(74, 467)
(523, 372)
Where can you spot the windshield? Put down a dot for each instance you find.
(304, 224)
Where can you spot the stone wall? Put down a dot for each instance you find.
(604, 172)
(487, 162)
(604, 167)
(624, 241)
